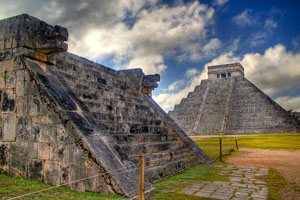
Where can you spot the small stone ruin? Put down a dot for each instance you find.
(228, 103)
(65, 118)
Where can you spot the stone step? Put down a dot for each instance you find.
(141, 148)
(157, 172)
(142, 138)
(165, 156)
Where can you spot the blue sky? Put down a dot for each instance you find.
(178, 39)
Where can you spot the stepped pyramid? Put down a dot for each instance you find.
(65, 118)
(229, 103)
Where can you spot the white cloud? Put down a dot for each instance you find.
(220, 2)
(296, 42)
(270, 24)
(211, 46)
(131, 33)
(244, 19)
(223, 59)
(258, 39)
(289, 103)
(191, 72)
(175, 85)
(275, 71)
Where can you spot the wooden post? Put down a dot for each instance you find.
(236, 144)
(141, 186)
(220, 148)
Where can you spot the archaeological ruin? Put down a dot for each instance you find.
(65, 118)
(228, 103)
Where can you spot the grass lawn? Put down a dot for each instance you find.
(211, 146)
(271, 141)
(262, 141)
(11, 187)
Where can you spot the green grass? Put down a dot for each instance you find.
(202, 172)
(275, 183)
(263, 141)
(12, 187)
(211, 146)
(270, 141)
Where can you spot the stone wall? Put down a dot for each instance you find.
(65, 118)
(35, 143)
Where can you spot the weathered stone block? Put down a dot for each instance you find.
(95, 184)
(4, 157)
(10, 80)
(20, 89)
(29, 89)
(34, 105)
(18, 159)
(48, 133)
(9, 127)
(8, 101)
(2, 81)
(43, 151)
(23, 129)
(62, 136)
(51, 173)
(8, 42)
(33, 150)
(35, 170)
(20, 77)
(53, 152)
(64, 173)
(64, 153)
(35, 132)
(1, 131)
(77, 173)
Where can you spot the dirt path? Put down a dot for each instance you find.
(284, 161)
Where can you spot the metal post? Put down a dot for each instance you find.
(220, 148)
(141, 186)
(236, 144)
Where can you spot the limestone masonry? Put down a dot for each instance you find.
(64, 118)
(228, 103)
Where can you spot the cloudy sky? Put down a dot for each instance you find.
(179, 38)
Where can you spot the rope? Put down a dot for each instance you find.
(94, 176)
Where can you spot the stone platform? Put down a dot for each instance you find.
(65, 118)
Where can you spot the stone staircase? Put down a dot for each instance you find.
(214, 108)
(185, 113)
(129, 119)
(205, 107)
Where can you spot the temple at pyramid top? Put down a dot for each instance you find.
(225, 70)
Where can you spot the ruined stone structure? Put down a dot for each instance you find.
(65, 118)
(229, 103)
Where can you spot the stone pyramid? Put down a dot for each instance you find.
(228, 103)
(65, 118)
